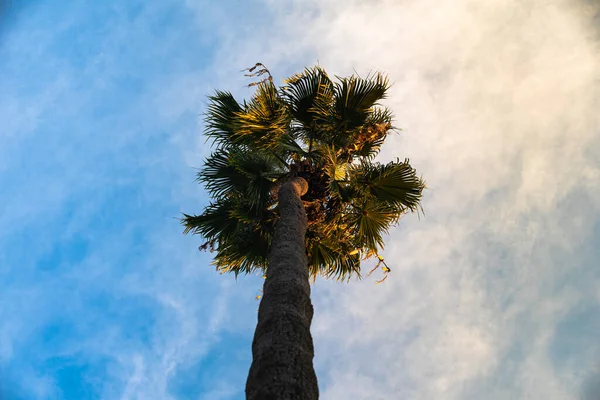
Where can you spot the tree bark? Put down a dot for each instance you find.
(282, 349)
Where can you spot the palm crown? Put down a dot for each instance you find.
(325, 131)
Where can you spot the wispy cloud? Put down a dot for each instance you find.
(102, 298)
(101, 295)
(498, 102)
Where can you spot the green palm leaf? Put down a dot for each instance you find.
(310, 96)
(262, 171)
(355, 97)
(330, 259)
(264, 120)
(216, 222)
(370, 137)
(336, 170)
(246, 251)
(239, 233)
(220, 176)
(369, 221)
(395, 183)
(241, 172)
(220, 118)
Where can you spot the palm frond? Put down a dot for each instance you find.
(395, 183)
(310, 96)
(216, 222)
(261, 170)
(240, 234)
(289, 146)
(264, 119)
(354, 98)
(369, 221)
(332, 260)
(220, 118)
(371, 136)
(242, 173)
(244, 253)
(325, 132)
(220, 176)
(336, 170)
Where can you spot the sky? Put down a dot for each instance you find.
(494, 292)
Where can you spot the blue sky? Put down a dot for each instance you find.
(494, 293)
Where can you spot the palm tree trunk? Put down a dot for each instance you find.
(282, 349)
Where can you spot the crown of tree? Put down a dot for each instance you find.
(325, 131)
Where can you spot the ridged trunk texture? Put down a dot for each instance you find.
(282, 349)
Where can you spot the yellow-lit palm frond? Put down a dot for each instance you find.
(324, 131)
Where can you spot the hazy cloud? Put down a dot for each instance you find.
(498, 102)
(493, 294)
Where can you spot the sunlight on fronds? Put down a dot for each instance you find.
(328, 133)
(355, 97)
(395, 183)
(310, 97)
(264, 119)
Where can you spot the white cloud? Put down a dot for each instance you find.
(498, 101)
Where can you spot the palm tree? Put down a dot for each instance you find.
(296, 193)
